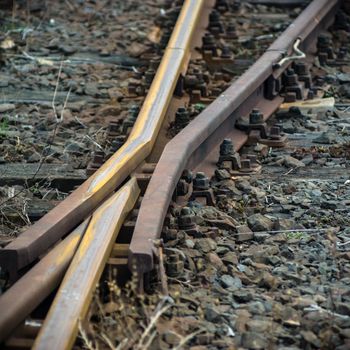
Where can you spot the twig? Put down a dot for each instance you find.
(83, 334)
(55, 92)
(339, 244)
(315, 307)
(107, 341)
(158, 313)
(186, 339)
(297, 230)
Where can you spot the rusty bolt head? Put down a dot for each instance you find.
(186, 220)
(231, 28)
(256, 117)
(149, 75)
(226, 147)
(310, 95)
(245, 165)
(226, 52)
(291, 77)
(181, 116)
(208, 39)
(275, 132)
(201, 182)
(253, 159)
(187, 176)
(301, 68)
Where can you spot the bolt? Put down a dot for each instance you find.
(290, 97)
(98, 157)
(149, 75)
(291, 77)
(226, 147)
(132, 89)
(187, 176)
(342, 52)
(201, 182)
(253, 159)
(310, 95)
(245, 165)
(117, 143)
(256, 117)
(186, 220)
(275, 133)
(301, 68)
(134, 111)
(181, 116)
(226, 52)
(222, 5)
(113, 127)
(231, 29)
(209, 44)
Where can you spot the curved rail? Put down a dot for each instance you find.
(192, 145)
(78, 205)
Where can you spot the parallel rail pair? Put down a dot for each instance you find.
(195, 147)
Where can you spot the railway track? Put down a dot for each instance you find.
(117, 215)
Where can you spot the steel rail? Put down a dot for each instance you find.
(79, 204)
(30, 290)
(204, 134)
(75, 293)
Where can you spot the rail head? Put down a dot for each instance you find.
(79, 205)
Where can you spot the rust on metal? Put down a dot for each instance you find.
(78, 205)
(75, 293)
(30, 290)
(198, 142)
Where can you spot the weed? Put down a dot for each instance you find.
(4, 126)
(295, 235)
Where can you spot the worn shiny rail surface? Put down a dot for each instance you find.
(196, 146)
(78, 205)
(93, 241)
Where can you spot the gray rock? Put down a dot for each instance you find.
(311, 338)
(230, 258)
(292, 162)
(253, 340)
(228, 281)
(222, 174)
(258, 222)
(259, 326)
(325, 138)
(205, 245)
(244, 233)
(6, 107)
(211, 313)
(256, 308)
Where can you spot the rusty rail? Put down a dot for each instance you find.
(75, 293)
(78, 205)
(30, 290)
(196, 145)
